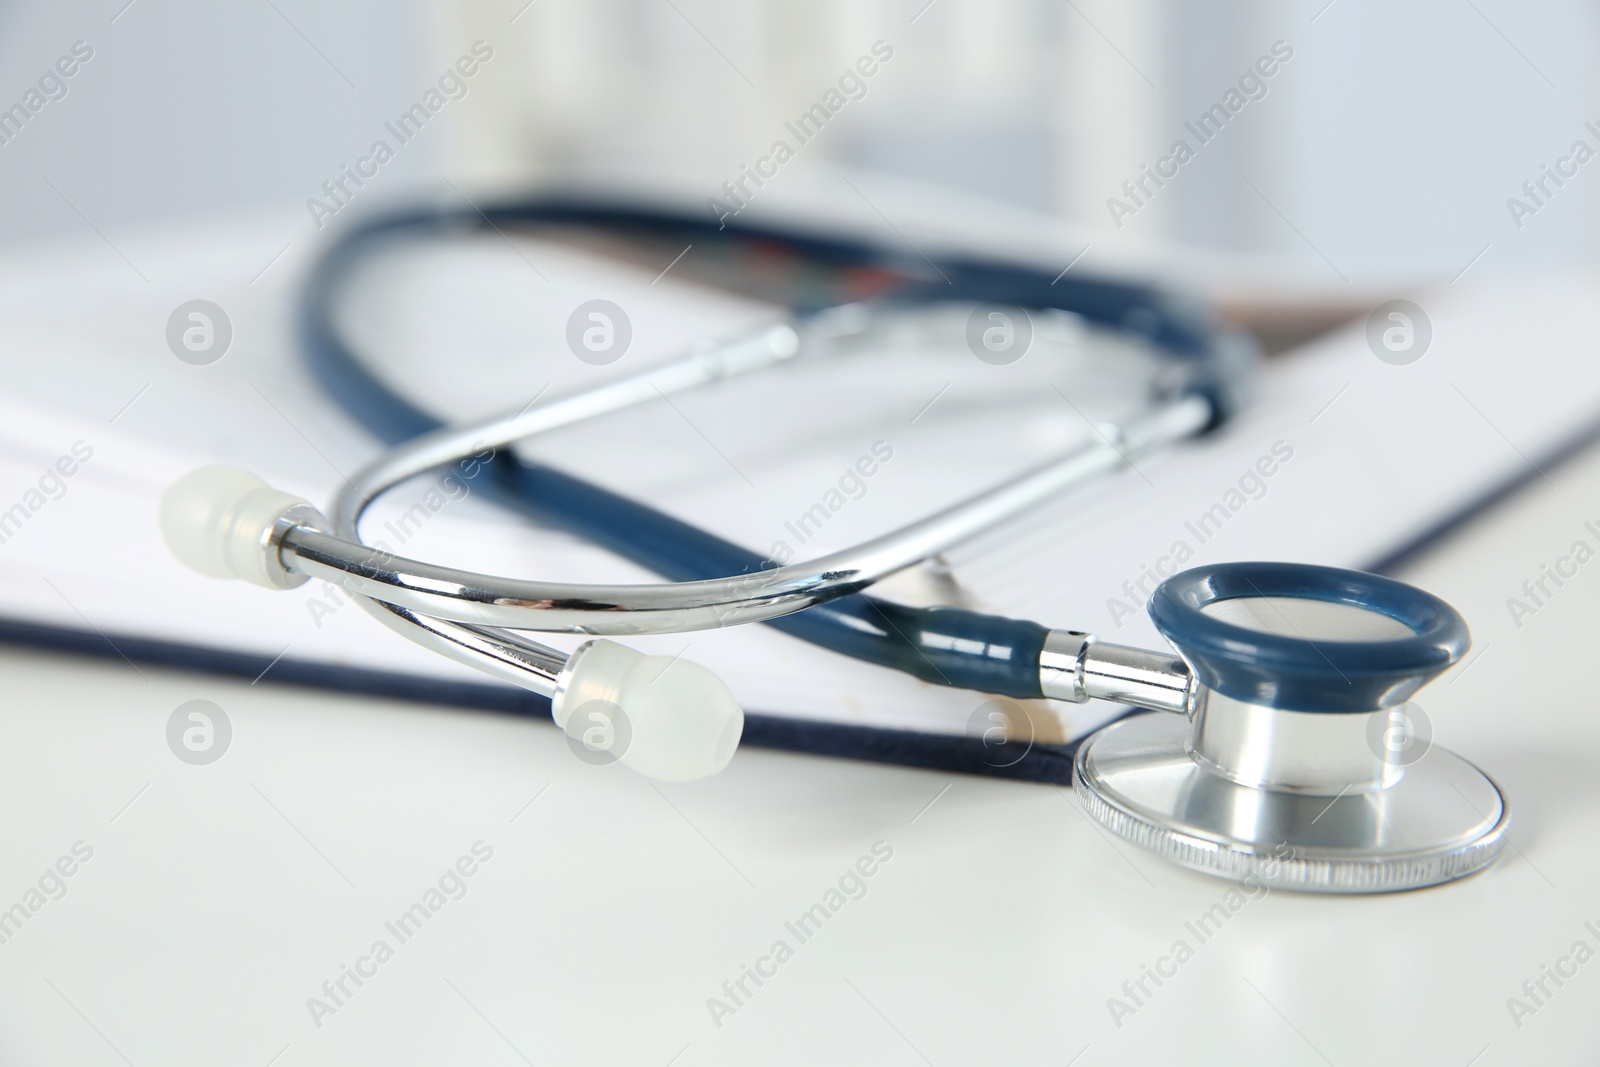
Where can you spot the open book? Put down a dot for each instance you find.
(1342, 459)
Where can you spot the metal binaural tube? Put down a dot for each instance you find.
(488, 600)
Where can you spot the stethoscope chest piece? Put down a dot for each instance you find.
(1302, 764)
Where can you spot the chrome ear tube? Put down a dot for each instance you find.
(1294, 760)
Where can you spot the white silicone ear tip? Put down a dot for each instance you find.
(219, 520)
(686, 724)
(679, 722)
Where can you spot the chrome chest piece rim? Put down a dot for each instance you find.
(1442, 820)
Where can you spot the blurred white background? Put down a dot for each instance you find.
(1390, 142)
(1385, 146)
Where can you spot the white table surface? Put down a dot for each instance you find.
(219, 898)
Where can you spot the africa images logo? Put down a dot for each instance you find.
(851, 85)
(850, 886)
(404, 128)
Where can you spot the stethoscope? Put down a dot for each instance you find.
(1284, 758)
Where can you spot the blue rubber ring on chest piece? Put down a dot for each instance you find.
(1283, 671)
